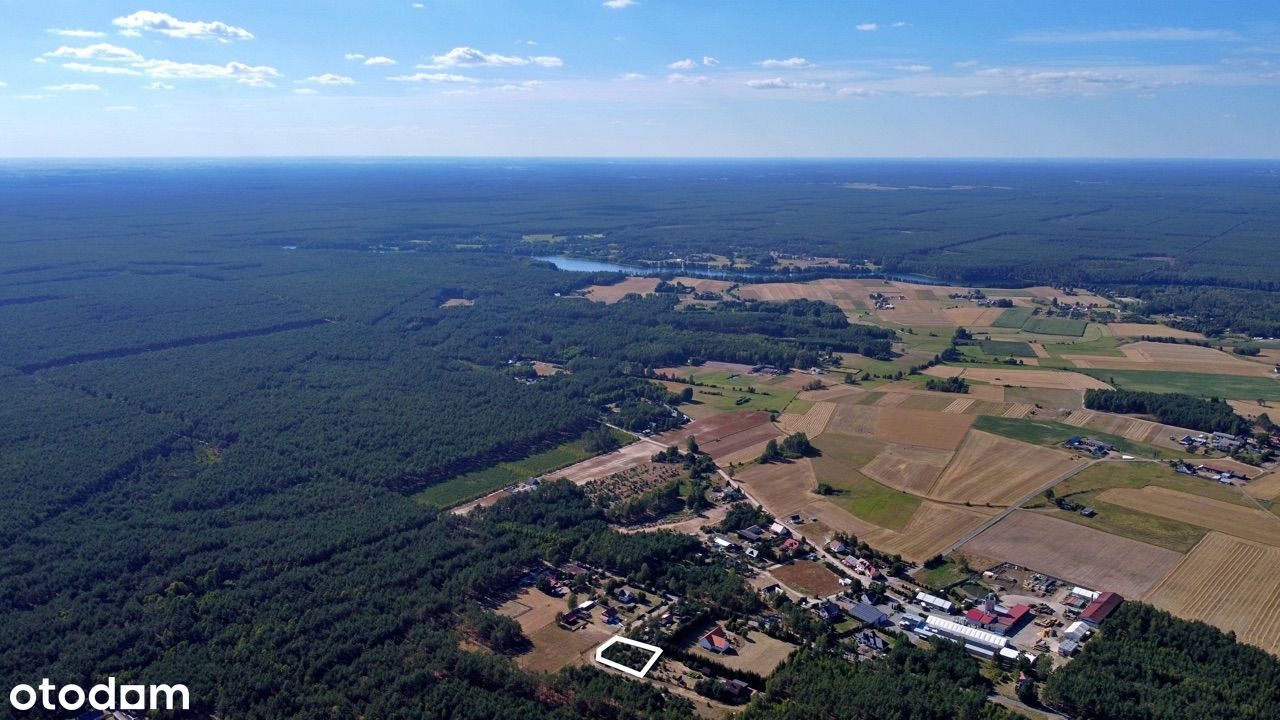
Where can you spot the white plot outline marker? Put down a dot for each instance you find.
(600, 658)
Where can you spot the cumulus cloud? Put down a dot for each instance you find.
(913, 68)
(64, 32)
(470, 57)
(100, 69)
(353, 56)
(329, 79)
(618, 4)
(546, 61)
(687, 79)
(252, 75)
(685, 64)
(868, 27)
(97, 51)
(379, 60)
(793, 63)
(1164, 34)
(166, 24)
(73, 87)
(780, 84)
(709, 61)
(631, 76)
(525, 86)
(432, 78)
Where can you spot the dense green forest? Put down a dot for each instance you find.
(1188, 411)
(909, 683)
(1149, 665)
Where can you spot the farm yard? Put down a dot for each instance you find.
(1230, 583)
(1075, 553)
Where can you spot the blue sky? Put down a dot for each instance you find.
(640, 78)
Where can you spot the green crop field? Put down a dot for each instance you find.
(1054, 326)
(1236, 387)
(1013, 318)
(1006, 347)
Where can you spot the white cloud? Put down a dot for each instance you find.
(618, 4)
(157, 85)
(521, 87)
(858, 92)
(780, 84)
(419, 6)
(709, 61)
(73, 87)
(120, 108)
(793, 63)
(165, 24)
(470, 57)
(900, 24)
(329, 79)
(914, 68)
(867, 27)
(76, 33)
(39, 60)
(631, 76)
(379, 60)
(685, 64)
(687, 79)
(546, 61)
(432, 78)
(1165, 34)
(97, 51)
(3, 84)
(353, 56)
(306, 91)
(100, 69)
(965, 64)
(253, 75)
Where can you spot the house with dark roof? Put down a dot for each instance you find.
(869, 614)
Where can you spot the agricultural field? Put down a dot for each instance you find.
(934, 527)
(1014, 318)
(1151, 330)
(1265, 487)
(1050, 432)
(1074, 553)
(857, 493)
(1009, 348)
(1238, 387)
(1230, 518)
(622, 459)
(808, 578)
(1085, 485)
(1230, 583)
(1055, 326)
(613, 293)
(909, 468)
(621, 486)
(989, 469)
(1167, 357)
(1053, 379)
(934, 429)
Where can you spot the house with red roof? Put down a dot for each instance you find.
(716, 640)
(1099, 609)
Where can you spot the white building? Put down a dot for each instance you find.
(934, 601)
(1077, 631)
(975, 640)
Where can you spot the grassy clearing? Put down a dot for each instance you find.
(1138, 475)
(1127, 523)
(872, 501)
(1014, 317)
(1236, 387)
(1048, 432)
(1054, 326)
(729, 400)
(476, 484)
(946, 574)
(1007, 347)
(1106, 346)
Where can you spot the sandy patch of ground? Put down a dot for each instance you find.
(1242, 522)
(992, 469)
(1075, 553)
(922, 427)
(1230, 583)
(613, 293)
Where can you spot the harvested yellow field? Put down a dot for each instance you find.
(1139, 329)
(1039, 350)
(1168, 357)
(613, 293)
(909, 468)
(973, 316)
(1242, 522)
(1055, 379)
(932, 528)
(812, 423)
(917, 313)
(785, 291)
(992, 469)
(1229, 583)
(928, 401)
(1264, 487)
(922, 427)
(892, 399)
(959, 406)
(853, 419)
(1018, 410)
(988, 393)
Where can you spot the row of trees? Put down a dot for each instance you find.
(1208, 415)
